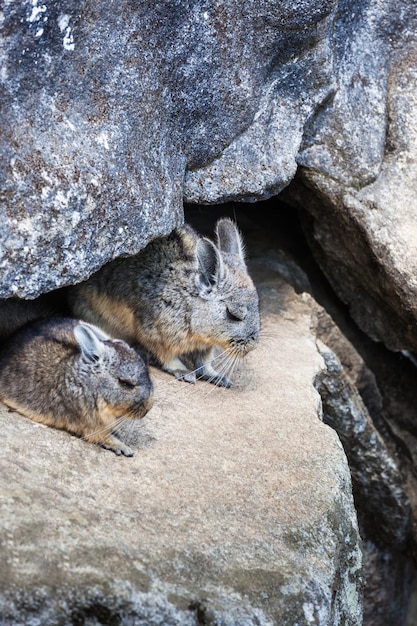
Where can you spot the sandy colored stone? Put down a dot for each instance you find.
(235, 509)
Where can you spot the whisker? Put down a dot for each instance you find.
(211, 389)
(225, 363)
(109, 427)
(266, 331)
(226, 367)
(234, 364)
(221, 357)
(230, 359)
(201, 367)
(128, 426)
(197, 369)
(222, 353)
(217, 361)
(268, 335)
(237, 360)
(121, 422)
(221, 365)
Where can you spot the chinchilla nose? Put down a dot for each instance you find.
(236, 312)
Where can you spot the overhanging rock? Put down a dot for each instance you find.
(105, 108)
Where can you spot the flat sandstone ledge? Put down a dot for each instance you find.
(236, 508)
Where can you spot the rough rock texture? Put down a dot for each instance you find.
(236, 509)
(110, 113)
(373, 411)
(368, 396)
(380, 496)
(261, 161)
(105, 107)
(378, 482)
(357, 177)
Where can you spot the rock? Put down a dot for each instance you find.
(358, 184)
(262, 159)
(378, 484)
(104, 109)
(236, 508)
(108, 115)
(88, 164)
(389, 575)
(384, 481)
(380, 493)
(104, 112)
(368, 396)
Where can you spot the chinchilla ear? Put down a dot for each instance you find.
(210, 264)
(90, 341)
(229, 239)
(100, 334)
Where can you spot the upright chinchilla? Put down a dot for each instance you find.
(178, 299)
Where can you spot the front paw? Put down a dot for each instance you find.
(213, 377)
(221, 381)
(177, 368)
(118, 448)
(188, 377)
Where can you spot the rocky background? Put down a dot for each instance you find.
(112, 115)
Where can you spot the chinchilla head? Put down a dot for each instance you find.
(113, 373)
(227, 308)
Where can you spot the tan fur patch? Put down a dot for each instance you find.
(198, 342)
(36, 417)
(43, 418)
(106, 414)
(116, 318)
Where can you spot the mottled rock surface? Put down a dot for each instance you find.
(379, 488)
(368, 396)
(380, 492)
(105, 107)
(357, 177)
(236, 509)
(111, 113)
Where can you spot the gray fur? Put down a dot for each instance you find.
(70, 375)
(91, 343)
(178, 299)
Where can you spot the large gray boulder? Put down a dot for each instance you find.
(368, 397)
(357, 177)
(109, 117)
(104, 109)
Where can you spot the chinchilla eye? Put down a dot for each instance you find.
(234, 316)
(126, 384)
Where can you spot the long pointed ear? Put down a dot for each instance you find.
(100, 334)
(90, 342)
(210, 263)
(229, 239)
